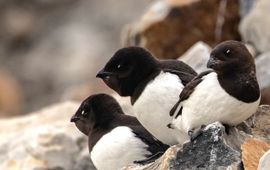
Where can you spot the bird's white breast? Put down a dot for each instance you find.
(209, 103)
(154, 104)
(118, 148)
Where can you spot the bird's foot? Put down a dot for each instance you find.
(150, 159)
(193, 134)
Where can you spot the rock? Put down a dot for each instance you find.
(197, 56)
(252, 151)
(264, 163)
(211, 150)
(10, 96)
(171, 27)
(265, 96)
(245, 7)
(254, 27)
(35, 43)
(262, 68)
(44, 140)
(260, 123)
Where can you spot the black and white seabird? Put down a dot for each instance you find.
(229, 93)
(114, 139)
(153, 85)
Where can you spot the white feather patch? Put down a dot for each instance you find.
(154, 104)
(210, 103)
(118, 148)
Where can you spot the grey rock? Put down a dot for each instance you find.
(254, 28)
(44, 140)
(246, 6)
(210, 151)
(264, 163)
(262, 66)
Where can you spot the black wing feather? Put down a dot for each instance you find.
(179, 68)
(188, 90)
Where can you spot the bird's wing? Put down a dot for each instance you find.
(179, 68)
(188, 90)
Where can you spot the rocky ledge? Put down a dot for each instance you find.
(241, 147)
(46, 140)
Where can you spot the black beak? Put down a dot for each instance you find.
(211, 62)
(74, 118)
(102, 74)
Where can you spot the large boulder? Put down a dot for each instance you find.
(170, 27)
(211, 150)
(44, 140)
(242, 146)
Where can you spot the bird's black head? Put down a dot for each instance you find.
(127, 68)
(230, 56)
(96, 111)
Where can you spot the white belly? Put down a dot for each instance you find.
(210, 103)
(154, 104)
(118, 148)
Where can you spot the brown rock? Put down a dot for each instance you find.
(265, 98)
(252, 151)
(170, 27)
(10, 96)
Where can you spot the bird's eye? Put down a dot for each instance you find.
(228, 52)
(118, 66)
(84, 113)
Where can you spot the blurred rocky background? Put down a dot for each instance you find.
(50, 52)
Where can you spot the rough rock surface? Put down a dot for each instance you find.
(209, 151)
(44, 140)
(252, 151)
(265, 161)
(260, 123)
(254, 28)
(215, 149)
(170, 27)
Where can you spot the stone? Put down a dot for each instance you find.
(171, 27)
(262, 68)
(265, 96)
(10, 96)
(260, 123)
(264, 163)
(245, 7)
(197, 56)
(254, 27)
(44, 140)
(252, 151)
(211, 150)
